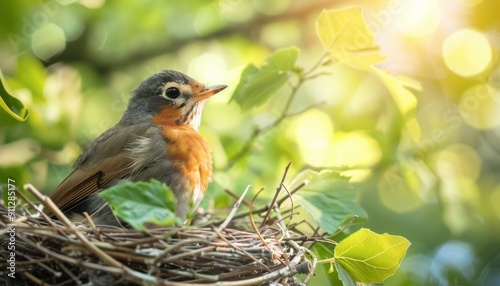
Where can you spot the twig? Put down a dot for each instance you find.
(280, 221)
(104, 256)
(191, 274)
(57, 212)
(236, 196)
(292, 206)
(167, 251)
(86, 264)
(38, 262)
(285, 271)
(318, 75)
(242, 250)
(234, 210)
(354, 217)
(23, 196)
(252, 222)
(69, 273)
(254, 226)
(318, 63)
(186, 254)
(276, 194)
(311, 273)
(257, 131)
(302, 78)
(35, 279)
(89, 220)
(265, 208)
(314, 105)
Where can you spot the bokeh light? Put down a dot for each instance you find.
(355, 149)
(458, 167)
(320, 146)
(458, 160)
(315, 144)
(467, 52)
(392, 193)
(452, 256)
(48, 41)
(209, 66)
(480, 107)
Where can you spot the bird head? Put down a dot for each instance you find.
(169, 98)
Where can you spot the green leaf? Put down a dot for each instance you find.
(349, 40)
(344, 31)
(13, 109)
(257, 84)
(343, 275)
(370, 257)
(328, 198)
(139, 203)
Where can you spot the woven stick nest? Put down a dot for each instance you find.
(233, 251)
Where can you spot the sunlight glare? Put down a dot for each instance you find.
(419, 18)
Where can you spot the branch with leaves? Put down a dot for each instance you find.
(257, 84)
(347, 40)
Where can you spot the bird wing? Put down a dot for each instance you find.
(103, 161)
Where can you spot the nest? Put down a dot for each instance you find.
(229, 251)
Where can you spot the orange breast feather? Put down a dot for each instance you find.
(191, 155)
(187, 148)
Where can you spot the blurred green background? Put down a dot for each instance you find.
(74, 63)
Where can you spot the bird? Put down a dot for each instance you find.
(156, 138)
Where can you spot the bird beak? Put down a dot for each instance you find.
(209, 91)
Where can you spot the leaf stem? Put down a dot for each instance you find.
(302, 77)
(317, 64)
(328, 260)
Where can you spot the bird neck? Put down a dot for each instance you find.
(193, 116)
(188, 116)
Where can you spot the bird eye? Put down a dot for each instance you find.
(172, 92)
